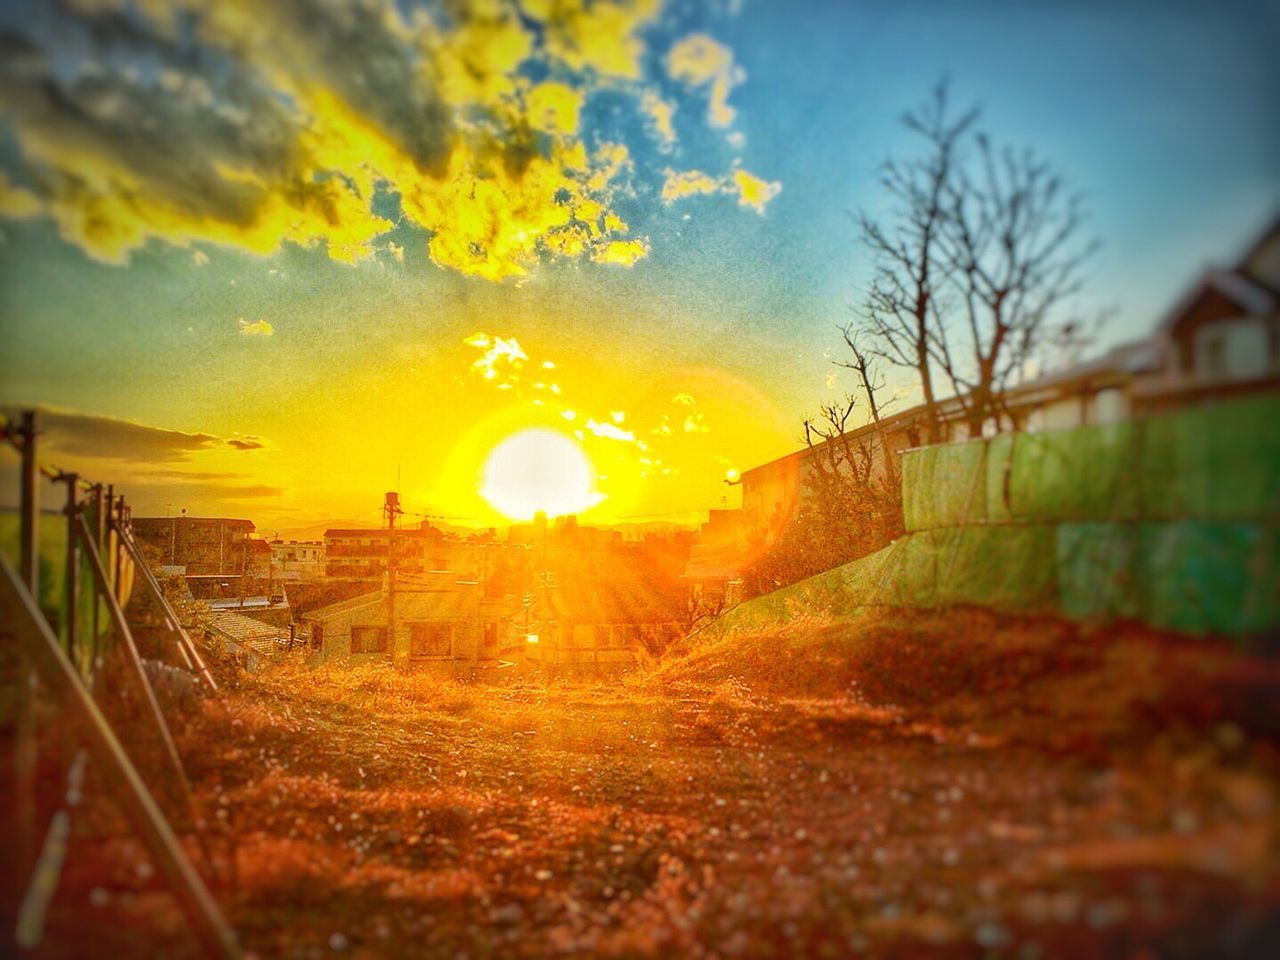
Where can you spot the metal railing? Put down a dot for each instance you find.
(60, 661)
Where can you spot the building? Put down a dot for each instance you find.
(717, 558)
(362, 554)
(200, 546)
(297, 559)
(605, 627)
(437, 622)
(251, 642)
(1222, 338)
(569, 595)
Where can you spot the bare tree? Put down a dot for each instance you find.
(1011, 243)
(973, 266)
(873, 382)
(901, 312)
(848, 510)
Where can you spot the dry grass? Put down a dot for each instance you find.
(949, 783)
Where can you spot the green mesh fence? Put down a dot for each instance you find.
(1173, 520)
(1217, 462)
(53, 553)
(1083, 474)
(1220, 462)
(1216, 577)
(91, 631)
(944, 486)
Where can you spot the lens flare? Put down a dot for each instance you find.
(539, 470)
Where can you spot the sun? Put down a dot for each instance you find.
(538, 469)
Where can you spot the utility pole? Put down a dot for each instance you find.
(391, 510)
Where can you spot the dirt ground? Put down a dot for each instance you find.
(956, 785)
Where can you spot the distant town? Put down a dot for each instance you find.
(572, 596)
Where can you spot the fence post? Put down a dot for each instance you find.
(135, 661)
(71, 575)
(186, 646)
(25, 747)
(137, 805)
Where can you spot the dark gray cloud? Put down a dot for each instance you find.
(110, 438)
(89, 435)
(194, 492)
(174, 135)
(375, 69)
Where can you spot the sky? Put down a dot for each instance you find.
(272, 260)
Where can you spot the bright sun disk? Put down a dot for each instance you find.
(538, 469)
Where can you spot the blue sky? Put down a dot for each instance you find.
(1161, 114)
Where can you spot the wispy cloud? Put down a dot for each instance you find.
(500, 361)
(703, 62)
(610, 431)
(257, 328)
(748, 189)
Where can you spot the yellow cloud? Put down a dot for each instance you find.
(17, 203)
(501, 360)
(688, 183)
(661, 116)
(315, 111)
(622, 253)
(258, 328)
(554, 107)
(753, 191)
(700, 61)
(750, 190)
(599, 36)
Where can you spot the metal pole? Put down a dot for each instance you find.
(186, 647)
(25, 746)
(71, 576)
(135, 662)
(30, 556)
(137, 805)
(94, 643)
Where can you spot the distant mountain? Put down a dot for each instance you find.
(632, 530)
(316, 530)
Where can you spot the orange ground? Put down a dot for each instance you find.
(954, 784)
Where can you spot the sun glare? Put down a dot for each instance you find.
(539, 469)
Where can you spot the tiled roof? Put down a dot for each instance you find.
(260, 637)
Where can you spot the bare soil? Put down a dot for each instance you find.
(958, 785)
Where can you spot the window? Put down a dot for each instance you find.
(430, 639)
(490, 636)
(317, 636)
(368, 639)
(1215, 354)
(603, 636)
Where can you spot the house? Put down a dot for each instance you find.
(363, 554)
(252, 642)
(605, 627)
(717, 558)
(1222, 338)
(428, 620)
(297, 559)
(199, 546)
